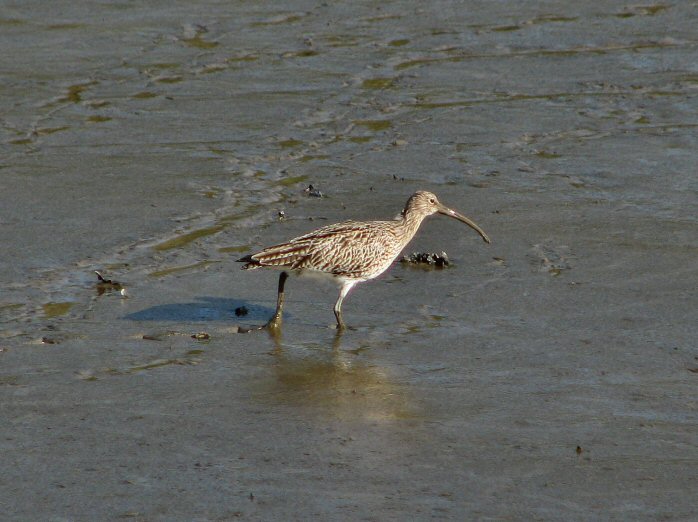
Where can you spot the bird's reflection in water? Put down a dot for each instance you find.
(333, 380)
(276, 337)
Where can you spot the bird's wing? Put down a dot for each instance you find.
(296, 253)
(347, 248)
(353, 249)
(326, 231)
(283, 255)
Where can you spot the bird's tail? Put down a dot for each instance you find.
(250, 263)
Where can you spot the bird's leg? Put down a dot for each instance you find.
(338, 305)
(275, 321)
(338, 315)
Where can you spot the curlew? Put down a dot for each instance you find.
(350, 252)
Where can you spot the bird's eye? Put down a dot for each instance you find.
(432, 200)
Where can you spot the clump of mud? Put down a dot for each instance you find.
(427, 258)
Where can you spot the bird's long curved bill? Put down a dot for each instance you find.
(460, 217)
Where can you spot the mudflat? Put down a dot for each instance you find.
(551, 375)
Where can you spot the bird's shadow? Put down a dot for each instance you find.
(204, 308)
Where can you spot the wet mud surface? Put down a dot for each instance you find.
(551, 375)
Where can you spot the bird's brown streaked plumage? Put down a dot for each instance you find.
(351, 251)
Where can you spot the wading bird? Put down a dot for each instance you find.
(350, 252)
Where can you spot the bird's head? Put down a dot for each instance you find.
(423, 204)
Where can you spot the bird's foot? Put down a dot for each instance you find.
(272, 324)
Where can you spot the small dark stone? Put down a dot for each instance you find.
(241, 310)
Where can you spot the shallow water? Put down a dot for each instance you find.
(550, 375)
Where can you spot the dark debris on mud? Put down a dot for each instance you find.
(427, 258)
(313, 192)
(105, 285)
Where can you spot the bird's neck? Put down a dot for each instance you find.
(410, 223)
